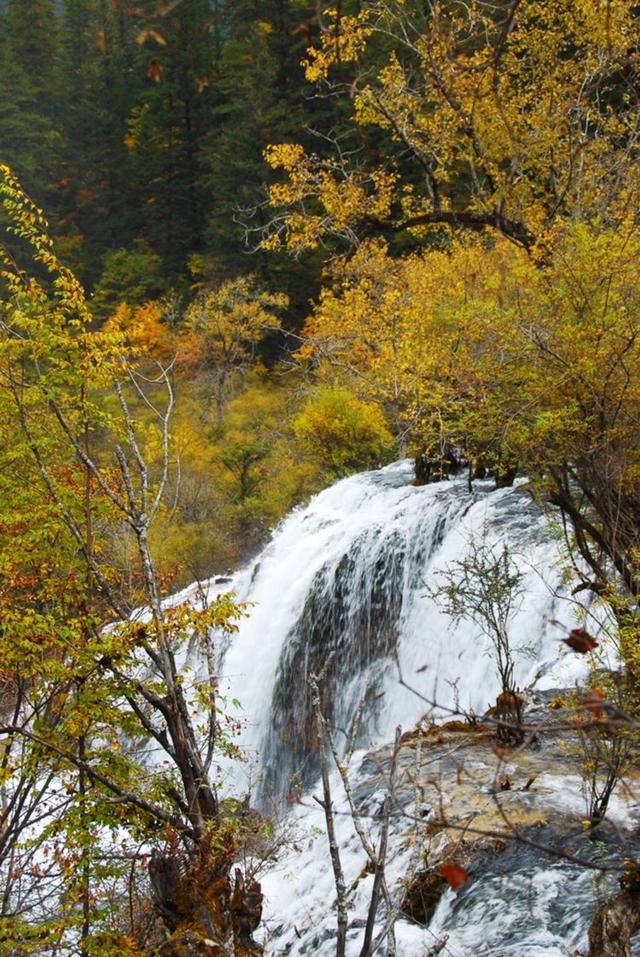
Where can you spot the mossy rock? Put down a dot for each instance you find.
(423, 895)
(440, 732)
(457, 727)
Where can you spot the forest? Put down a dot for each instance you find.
(319, 478)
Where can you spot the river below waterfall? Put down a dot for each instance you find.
(521, 900)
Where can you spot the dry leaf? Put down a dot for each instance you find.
(580, 640)
(154, 71)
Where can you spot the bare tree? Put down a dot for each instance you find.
(485, 588)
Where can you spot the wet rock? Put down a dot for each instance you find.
(428, 885)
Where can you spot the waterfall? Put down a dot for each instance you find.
(342, 589)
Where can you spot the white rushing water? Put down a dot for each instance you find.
(343, 588)
(346, 579)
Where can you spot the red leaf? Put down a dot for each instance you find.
(454, 876)
(580, 640)
(592, 701)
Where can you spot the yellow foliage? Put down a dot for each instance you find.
(222, 329)
(237, 479)
(479, 346)
(343, 40)
(225, 324)
(342, 433)
(513, 119)
(144, 329)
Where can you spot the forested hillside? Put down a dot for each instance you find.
(140, 127)
(249, 248)
(140, 130)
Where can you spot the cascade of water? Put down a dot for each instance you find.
(342, 589)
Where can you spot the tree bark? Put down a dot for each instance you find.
(614, 925)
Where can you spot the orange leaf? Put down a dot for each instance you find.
(154, 71)
(454, 875)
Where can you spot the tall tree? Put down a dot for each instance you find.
(262, 96)
(506, 116)
(167, 125)
(32, 36)
(99, 78)
(30, 134)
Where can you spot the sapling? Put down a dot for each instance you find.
(486, 587)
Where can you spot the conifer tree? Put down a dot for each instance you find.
(30, 137)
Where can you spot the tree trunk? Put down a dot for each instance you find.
(203, 912)
(614, 925)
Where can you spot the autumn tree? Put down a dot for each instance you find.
(412, 334)
(504, 116)
(146, 329)
(92, 686)
(480, 349)
(341, 433)
(224, 327)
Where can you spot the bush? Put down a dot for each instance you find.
(341, 433)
